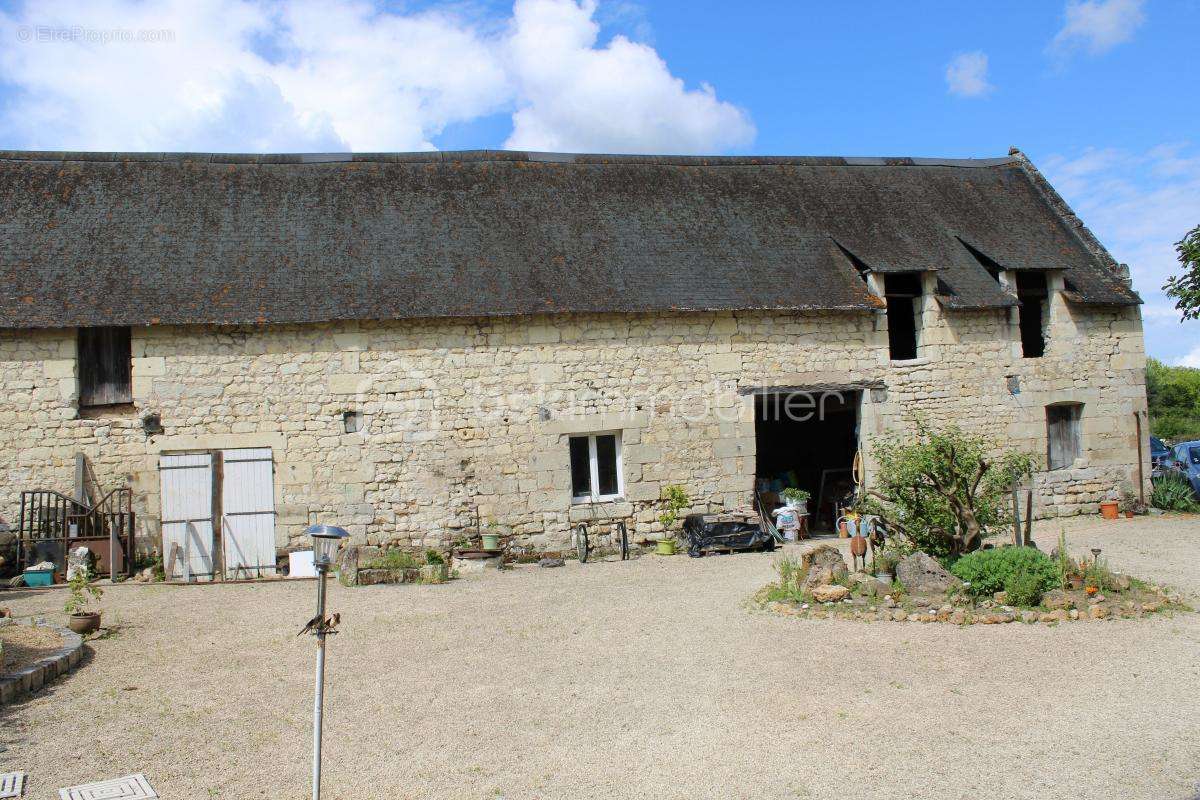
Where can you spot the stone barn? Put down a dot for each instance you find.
(411, 345)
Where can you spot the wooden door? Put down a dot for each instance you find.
(186, 483)
(248, 512)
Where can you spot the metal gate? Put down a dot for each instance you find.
(248, 512)
(186, 483)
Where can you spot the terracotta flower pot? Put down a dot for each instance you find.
(1108, 509)
(83, 624)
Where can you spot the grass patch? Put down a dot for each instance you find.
(392, 559)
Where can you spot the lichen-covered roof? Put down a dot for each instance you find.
(131, 239)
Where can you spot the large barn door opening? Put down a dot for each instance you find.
(187, 527)
(807, 440)
(248, 512)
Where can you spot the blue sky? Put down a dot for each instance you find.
(1100, 93)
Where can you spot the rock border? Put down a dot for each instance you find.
(33, 677)
(963, 616)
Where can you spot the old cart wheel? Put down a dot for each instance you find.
(581, 543)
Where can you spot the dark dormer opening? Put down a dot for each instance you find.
(902, 292)
(1032, 296)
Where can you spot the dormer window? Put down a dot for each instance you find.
(1031, 313)
(902, 292)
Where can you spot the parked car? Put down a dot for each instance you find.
(1158, 451)
(1186, 456)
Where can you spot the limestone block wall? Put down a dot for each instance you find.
(467, 418)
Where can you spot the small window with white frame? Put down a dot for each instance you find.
(596, 468)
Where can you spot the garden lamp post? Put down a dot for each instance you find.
(325, 539)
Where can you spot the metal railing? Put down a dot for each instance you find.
(50, 523)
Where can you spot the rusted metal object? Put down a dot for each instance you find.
(858, 550)
(50, 523)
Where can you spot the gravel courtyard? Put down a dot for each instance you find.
(646, 679)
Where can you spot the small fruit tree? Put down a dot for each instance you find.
(943, 491)
(81, 586)
(675, 499)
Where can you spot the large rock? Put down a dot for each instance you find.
(1056, 599)
(830, 593)
(822, 566)
(920, 573)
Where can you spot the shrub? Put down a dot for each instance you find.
(434, 557)
(886, 560)
(1097, 574)
(1172, 492)
(988, 571)
(795, 496)
(675, 499)
(1024, 589)
(789, 569)
(81, 585)
(943, 491)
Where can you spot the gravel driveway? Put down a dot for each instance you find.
(647, 679)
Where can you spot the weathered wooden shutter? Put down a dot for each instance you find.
(1062, 435)
(104, 367)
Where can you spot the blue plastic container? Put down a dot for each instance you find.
(39, 577)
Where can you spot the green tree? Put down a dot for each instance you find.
(1185, 287)
(943, 491)
(1173, 394)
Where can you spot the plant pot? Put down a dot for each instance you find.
(491, 541)
(665, 547)
(1108, 509)
(84, 624)
(1128, 515)
(1075, 582)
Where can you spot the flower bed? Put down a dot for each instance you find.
(820, 587)
(38, 655)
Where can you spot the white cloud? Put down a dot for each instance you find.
(966, 75)
(1191, 359)
(577, 97)
(1139, 205)
(1097, 26)
(341, 75)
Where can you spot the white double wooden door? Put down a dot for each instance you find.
(245, 484)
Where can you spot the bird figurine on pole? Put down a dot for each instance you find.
(319, 625)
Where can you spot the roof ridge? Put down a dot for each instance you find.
(468, 156)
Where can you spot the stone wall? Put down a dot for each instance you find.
(470, 416)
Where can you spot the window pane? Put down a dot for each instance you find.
(606, 463)
(581, 471)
